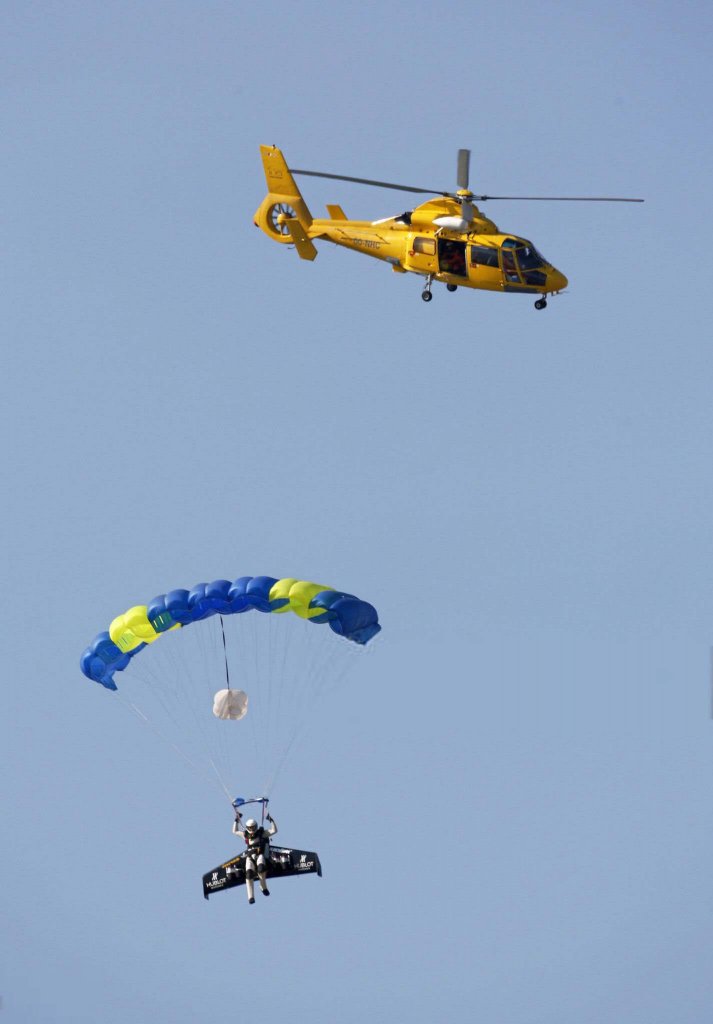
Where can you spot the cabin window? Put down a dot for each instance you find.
(426, 246)
(483, 255)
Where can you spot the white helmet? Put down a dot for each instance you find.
(250, 825)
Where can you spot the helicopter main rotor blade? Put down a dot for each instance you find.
(463, 168)
(564, 199)
(368, 181)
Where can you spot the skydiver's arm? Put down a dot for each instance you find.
(237, 831)
(272, 827)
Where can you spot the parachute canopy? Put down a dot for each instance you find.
(112, 650)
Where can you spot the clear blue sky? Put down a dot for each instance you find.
(512, 796)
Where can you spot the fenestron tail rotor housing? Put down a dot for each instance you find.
(277, 217)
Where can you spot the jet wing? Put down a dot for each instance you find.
(282, 862)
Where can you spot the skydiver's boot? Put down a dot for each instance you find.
(263, 886)
(250, 886)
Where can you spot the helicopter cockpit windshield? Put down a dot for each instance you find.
(528, 257)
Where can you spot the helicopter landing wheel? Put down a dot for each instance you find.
(426, 295)
(452, 287)
(541, 304)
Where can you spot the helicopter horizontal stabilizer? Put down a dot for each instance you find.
(306, 249)
(336, 212)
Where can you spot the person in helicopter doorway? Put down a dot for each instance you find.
(257, 840)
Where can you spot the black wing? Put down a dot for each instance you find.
(282, 862)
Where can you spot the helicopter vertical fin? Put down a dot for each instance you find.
(281, 185)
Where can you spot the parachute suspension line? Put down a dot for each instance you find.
(156, 684)
(173, 686)
(292, 685)
(225, 652)
(220, 781)
(213, 740)
(214, 737)
(270, 686)
(147, 721)
(221, 738)
(263, 685)
(282, 635)
(313, 686)
(284, 664)
(246, 640)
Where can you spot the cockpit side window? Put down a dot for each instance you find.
(483, 255)
(509, 268)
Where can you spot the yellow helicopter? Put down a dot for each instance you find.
(445, 239)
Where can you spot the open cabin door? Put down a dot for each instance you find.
(451, 257)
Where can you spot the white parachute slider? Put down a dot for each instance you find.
(230, 704)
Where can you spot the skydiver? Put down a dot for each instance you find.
(257, 840)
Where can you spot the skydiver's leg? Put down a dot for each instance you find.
(249, 879)
(262, 875)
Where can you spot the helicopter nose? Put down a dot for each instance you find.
(557, 282)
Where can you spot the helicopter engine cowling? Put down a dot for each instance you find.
(453, 223)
